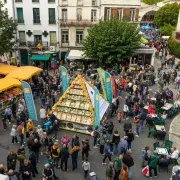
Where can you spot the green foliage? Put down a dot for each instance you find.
(174, 47)
(111, 41)
(167, 29)
(168, 14)
(8, 28)
(150, 2)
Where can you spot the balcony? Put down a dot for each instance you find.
(34, 44)
(20, 21)
(64, 3)
(80, 23)
(52, 21)
(65, 44)
(79, 3)
(94, 3)
(18, 0)
(22, 44)
(36, 21)
(78, 43)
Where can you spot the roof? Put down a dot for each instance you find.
(39, 58)
(6, 69)
(8, 82)
(24, 72)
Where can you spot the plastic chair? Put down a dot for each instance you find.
(160, 136)
(159, 123)
(156, 144)
(168, 145)
(152, 131)
(150, 123)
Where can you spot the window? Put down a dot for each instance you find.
(53, 38)
(22, 36)
(120, 14)
(35, 0)
(94, 2)
(64, 15)
(64, 36)
(79, 2)
(5, 1)
(36, 15)
(79, 36)
(20, 15)
(108, 13)
(18, 0)
(52, 16)
(93, 15)
(132, 15)
(51, 1)
(79, 14)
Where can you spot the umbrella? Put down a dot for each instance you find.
(143, 28)
(148, 27)
(140, 32)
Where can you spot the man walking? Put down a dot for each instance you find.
(74, 153)
(8, 113)
(42, 113)
(153, 162)
(56, 128)
(64, 155)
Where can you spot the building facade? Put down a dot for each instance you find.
(76, 16)
(37, 25)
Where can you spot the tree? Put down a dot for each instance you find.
(111, 41)
(168, 14)
(174, 47)
(150, 2)
(167, 29)
(8, 29)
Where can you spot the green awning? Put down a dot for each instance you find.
(39, 58)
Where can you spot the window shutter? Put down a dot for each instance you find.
(114, 12)
(127, 14)
(137, 14)
(105, 13)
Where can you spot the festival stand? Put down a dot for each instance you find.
(75, 109)
(10, 92)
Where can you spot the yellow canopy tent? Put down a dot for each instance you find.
(8, 82)
(24, 73)
(6, 69)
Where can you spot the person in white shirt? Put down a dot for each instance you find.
(40, 131)
(86, 167)
(42, 113)
(20, 107)
(125, 110)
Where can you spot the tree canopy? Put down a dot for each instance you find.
(150, 2)
(8, 28)
(167, 14)
(111, 41)
(167, 29)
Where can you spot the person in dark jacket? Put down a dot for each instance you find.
(115, 141)
(56, 128)
(33, 160)
(130, 136)
(85, 149)
(13, 175)
(2, 170)
(75, 140)
(74, 154)
(129, 162)
(26, 170)
(127, 126)
(36, 148)
(107, 152)
(11, 160)
(64, 155)
(110, 131)
(47, 172)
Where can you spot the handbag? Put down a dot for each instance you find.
(92, 133)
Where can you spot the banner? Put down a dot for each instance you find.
(29, 100)
(102, 79)
(108, 86)
(64, 78)
(96, 108)
(114, 90)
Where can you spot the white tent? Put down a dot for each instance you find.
(76, 54)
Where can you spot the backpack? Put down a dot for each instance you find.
(118, 162)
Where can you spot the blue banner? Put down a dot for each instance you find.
(29, 100)
(96, 108)
(108, 86)
(64, 78)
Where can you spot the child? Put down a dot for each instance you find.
(124, 173)
(86, 167)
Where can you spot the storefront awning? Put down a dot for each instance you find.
(8, 82)
(39, 58)
(6, 69)
(76, 54)
(24, 73)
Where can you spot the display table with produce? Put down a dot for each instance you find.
(75, 109)
(10, 92)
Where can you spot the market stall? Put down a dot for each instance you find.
(6, 69)
(75, 108)
(24, 73)
(10, 92)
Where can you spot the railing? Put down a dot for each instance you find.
(37, 21)
(69, 22)
(94, 3)
(53, 43)
(34, 43)
(20, 21)
(52, 21)
(79, 3)
(65, 44)
(18, 0)
(22, 43)
(78, 43)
